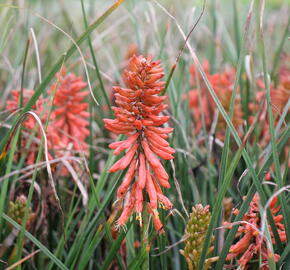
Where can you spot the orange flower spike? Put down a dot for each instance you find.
(163, 136)
(222, 84)
(71, 117)
(132, 50)
(138, 124)
(137, 116)
(278, 218)
(282, 235)
(127, 92)
(250, 245)
(157, 224)
(147, 122)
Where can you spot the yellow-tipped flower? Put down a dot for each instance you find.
(194, 236)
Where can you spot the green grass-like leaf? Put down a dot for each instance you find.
(37, 243)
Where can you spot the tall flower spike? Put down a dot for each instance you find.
(71, 117)
(195, 232)
(250, 245)
(138, 117)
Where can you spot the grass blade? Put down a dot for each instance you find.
(36, 242)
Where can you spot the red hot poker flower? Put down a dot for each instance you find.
(30, 122)
(71, 117)
(138, 116)
(223, 85)
(68, 122)
(250, 243)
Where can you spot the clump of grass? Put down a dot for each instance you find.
(231, 133)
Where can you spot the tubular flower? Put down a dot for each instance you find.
(195, 233)
(138, 117)
(30, 123)
(250, 244)
(223, 85)
(71, 117)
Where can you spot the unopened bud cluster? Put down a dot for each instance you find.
(195, 233)
(17, 210)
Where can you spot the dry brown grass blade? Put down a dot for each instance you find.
(76, 179)
(40, 165)
(37, 54)
(22, 260)
(178, 189)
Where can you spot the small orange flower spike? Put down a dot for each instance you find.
(223, 85)
(68, 123)
(279, 94)
(71, 117)
(138, 116)
(250, 243)
(30, 123)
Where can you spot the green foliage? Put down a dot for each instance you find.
(206, 170)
